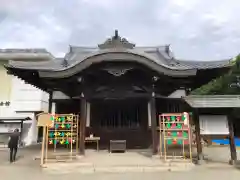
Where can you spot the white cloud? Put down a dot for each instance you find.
(211, 29)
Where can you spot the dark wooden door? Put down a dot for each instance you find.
(121, 120)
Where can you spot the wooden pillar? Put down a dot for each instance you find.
(232, 141)
(154, 118)
(50, 102)
(154, 126)
(20, 140)
(83, 116)
(198, 137)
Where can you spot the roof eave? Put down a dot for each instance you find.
(117, 55)
(213, 101)
(14, 118)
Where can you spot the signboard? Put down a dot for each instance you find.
(44, 119)
(213, 125)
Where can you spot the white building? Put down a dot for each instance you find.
(19, 100)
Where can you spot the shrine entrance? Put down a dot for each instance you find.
(125, 119)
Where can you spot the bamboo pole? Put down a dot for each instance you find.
(71, 151)
(77, 121)
(46, 141)
(183, 141)
(164, 140)
(160, 136)
(55, 135)
(43, 145)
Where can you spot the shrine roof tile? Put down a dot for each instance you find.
(77, 54)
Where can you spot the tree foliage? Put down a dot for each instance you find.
(221, 85)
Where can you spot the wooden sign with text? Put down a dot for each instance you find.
(44, 119)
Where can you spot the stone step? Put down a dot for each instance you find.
(116, 169)
(93, 168)
(89, 164)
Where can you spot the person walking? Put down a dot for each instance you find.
(13, 144)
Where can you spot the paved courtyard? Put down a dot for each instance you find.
(28, 173)
(26, 168)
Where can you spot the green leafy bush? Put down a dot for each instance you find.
(221, 85)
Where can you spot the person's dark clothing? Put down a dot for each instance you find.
(13, 153)
(13, 145)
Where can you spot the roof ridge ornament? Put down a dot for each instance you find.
(65, 63)
(116, 42)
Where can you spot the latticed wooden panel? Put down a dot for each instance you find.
(63, 130)
(175, 135)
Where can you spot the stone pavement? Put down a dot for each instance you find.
(28, 173)
(24, 157)
(26, 168)
(136, 161)
(214, 154)
(218, 153)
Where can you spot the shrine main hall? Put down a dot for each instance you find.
(118, 89)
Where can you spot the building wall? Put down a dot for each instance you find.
(25, 100)
(25, 97)
(6, 128)
(5, 83)
(213, 124)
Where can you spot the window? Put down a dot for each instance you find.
(121, 118)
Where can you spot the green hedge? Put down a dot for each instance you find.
(221, 85)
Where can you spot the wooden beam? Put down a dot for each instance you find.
(154, 126)
(83, 116)
(50, 101)
(233, 151)
(198, 137)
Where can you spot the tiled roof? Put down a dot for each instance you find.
(25, 54)
(204, 64)
(158, 55)
(76, 54)
(38, 50)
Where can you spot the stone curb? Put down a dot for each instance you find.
(87, 165)
(118, 169)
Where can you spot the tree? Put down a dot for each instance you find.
(225, 84)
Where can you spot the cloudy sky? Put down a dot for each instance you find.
(196, 29)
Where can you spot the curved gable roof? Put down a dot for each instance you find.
(154, 58)
(127, 55)
(159, 58)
